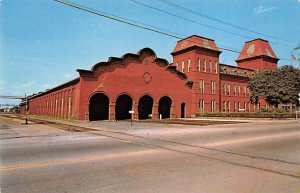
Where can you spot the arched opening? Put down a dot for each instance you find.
(99, 107)
(145, 107)
(123, 106)
(164, 107)
(182, 110)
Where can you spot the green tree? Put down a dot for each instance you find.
(279, 86)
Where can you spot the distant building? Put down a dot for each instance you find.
(151, 87)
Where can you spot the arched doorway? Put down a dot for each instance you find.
(164, 107)
(123, 106)
(99, 107)
(145, 107)
(182, 110)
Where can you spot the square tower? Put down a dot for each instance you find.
(198, 58)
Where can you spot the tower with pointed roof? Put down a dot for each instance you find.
(258, 55)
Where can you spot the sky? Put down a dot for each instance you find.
(43, 42)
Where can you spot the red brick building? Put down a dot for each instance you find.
(151, 87)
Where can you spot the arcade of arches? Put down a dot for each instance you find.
(101, 107)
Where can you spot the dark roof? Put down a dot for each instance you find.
(66, 84)
(195, 41)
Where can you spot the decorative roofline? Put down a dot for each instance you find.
(137, 56)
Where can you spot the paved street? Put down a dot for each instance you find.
(262, 156)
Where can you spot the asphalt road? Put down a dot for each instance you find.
(115, 157)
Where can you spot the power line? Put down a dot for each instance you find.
(220, 21)
(133, 23)
(189, 20)
(196, 22)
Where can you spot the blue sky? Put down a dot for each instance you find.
(43, 42)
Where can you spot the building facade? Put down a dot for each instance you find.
(150, 87)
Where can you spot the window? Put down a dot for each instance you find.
(239, 106)
(201, 86)
(198, 64)
(224, 106)
(234, 90)
(189, 65)
(213, 87)
(228, 106)
(239, 90)
(234, 106)
(224, 89)
(201, 105)
(228, 89)
(204, 66)
(216, 67)
(182, 66)
(245, 91)
(213, 106)
(210, 67)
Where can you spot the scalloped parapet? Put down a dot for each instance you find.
(112, 60)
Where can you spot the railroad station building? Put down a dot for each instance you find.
(147, 87)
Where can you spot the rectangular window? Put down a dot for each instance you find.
(182, 66)
(189, 65)
(201, 86)
(239, 90)
(210, 67)
(228, 89)
(234, 106)
(204, 66)
(212, 104)
(245, 91)
(201, 104)
(216, 67)
(239, 106)
(228, 106)
(234, 90)
(198, 64)
(213, 87)
(224, 89)
(224, 106)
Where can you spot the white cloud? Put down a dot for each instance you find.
(68, 75)
(26, 84)
(46, 86)
(261, 9)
